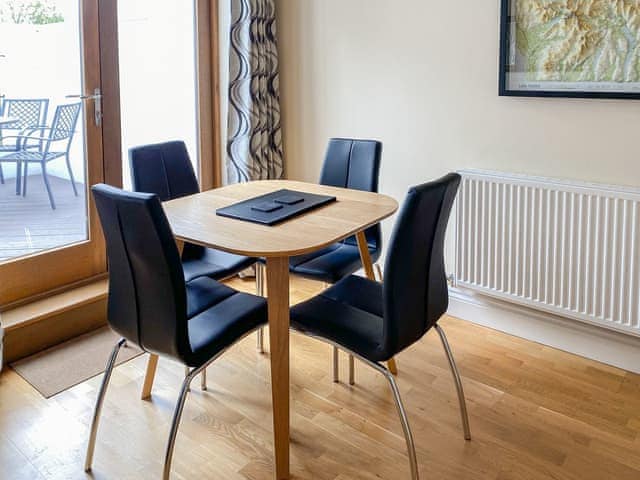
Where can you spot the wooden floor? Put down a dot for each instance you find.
(29, 225)
(536, 413)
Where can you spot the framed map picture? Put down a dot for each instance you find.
(570, 48)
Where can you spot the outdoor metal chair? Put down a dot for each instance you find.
(29, 113)
(43, 144)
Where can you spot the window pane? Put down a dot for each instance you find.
(40, 65)
(157, 74)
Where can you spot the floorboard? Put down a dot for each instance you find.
(535, 412)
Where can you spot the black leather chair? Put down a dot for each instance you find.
(348, 163)
(151, 305)
(374, 321)
(166, 170)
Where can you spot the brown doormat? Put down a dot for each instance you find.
(61, 367)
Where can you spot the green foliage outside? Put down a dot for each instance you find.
(35, 12)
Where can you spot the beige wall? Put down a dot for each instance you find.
(421, 75)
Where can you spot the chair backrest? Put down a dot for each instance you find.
(64, 122)
(415, 287)
(351, 163)
(164, 169)
(147, 297)
(29, 112)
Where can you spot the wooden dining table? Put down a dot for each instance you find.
(193, 219)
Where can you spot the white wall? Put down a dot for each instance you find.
(421, 76)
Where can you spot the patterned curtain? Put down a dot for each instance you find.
(254, 145)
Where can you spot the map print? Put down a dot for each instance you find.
(576, 41)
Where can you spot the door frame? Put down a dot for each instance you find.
(38, 273)
(208, 93)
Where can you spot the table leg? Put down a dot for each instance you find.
(367, 264)
(152, 363)
(392, 366)
(278, 301)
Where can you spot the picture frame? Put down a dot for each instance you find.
(526, 42)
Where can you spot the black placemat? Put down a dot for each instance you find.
(275, 207)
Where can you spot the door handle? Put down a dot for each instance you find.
(97, 98)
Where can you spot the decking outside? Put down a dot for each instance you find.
(28, 224)
(27, 49)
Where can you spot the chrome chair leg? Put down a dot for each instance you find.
(411, 448)
(408, 436)
(260, 291)
(458, 382)
(352, 378)
(177, 415)
(260, 344)
(260, 279)
(190, 375)
(404, 419)
(336, 361)
(100, 400)
(336, 367)
(186, 374)
(379, 272)
(203, 380)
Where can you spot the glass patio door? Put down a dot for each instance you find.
(158, 84)
(51, 145)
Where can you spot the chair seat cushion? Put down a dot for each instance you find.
(350, 313)
(203, 293)
(207, 262)
(330, 264)
(222, 324)
(307, 257)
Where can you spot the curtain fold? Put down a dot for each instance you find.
(254, 142)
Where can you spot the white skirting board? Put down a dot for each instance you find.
(596, 343)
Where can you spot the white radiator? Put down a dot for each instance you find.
(569, 248)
